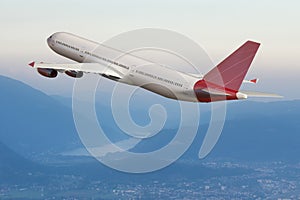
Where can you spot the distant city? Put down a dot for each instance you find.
(258, 181)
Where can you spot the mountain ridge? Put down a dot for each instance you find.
(36, 124)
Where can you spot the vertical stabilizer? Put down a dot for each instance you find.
(231, 72)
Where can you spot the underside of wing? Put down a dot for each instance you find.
(75, 70)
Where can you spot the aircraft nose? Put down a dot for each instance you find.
(50, 41)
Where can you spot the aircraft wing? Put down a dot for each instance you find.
(95, 68)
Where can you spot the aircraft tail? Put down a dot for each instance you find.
(231, 72)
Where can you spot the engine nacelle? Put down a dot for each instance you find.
(50, 73)
(74, 74)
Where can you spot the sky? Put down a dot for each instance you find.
(218, 26)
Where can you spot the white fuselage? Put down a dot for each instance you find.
(126, 68)
(221, 83)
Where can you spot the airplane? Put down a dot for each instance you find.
(221, 83)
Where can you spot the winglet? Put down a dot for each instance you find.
(31, 64)
(254, 80)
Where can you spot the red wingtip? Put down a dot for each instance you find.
(254, 80)
(31, 64)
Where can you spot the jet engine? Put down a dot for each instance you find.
(74, 74)
(50, 73)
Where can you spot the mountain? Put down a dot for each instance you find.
(261, 131)
(36, 128)
(253, 131)
(16, 169)
(31, 122)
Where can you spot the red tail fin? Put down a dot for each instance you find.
(231, 72)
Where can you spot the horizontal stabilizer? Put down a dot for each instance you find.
(261, 94)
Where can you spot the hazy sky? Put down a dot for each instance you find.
(218, 26)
